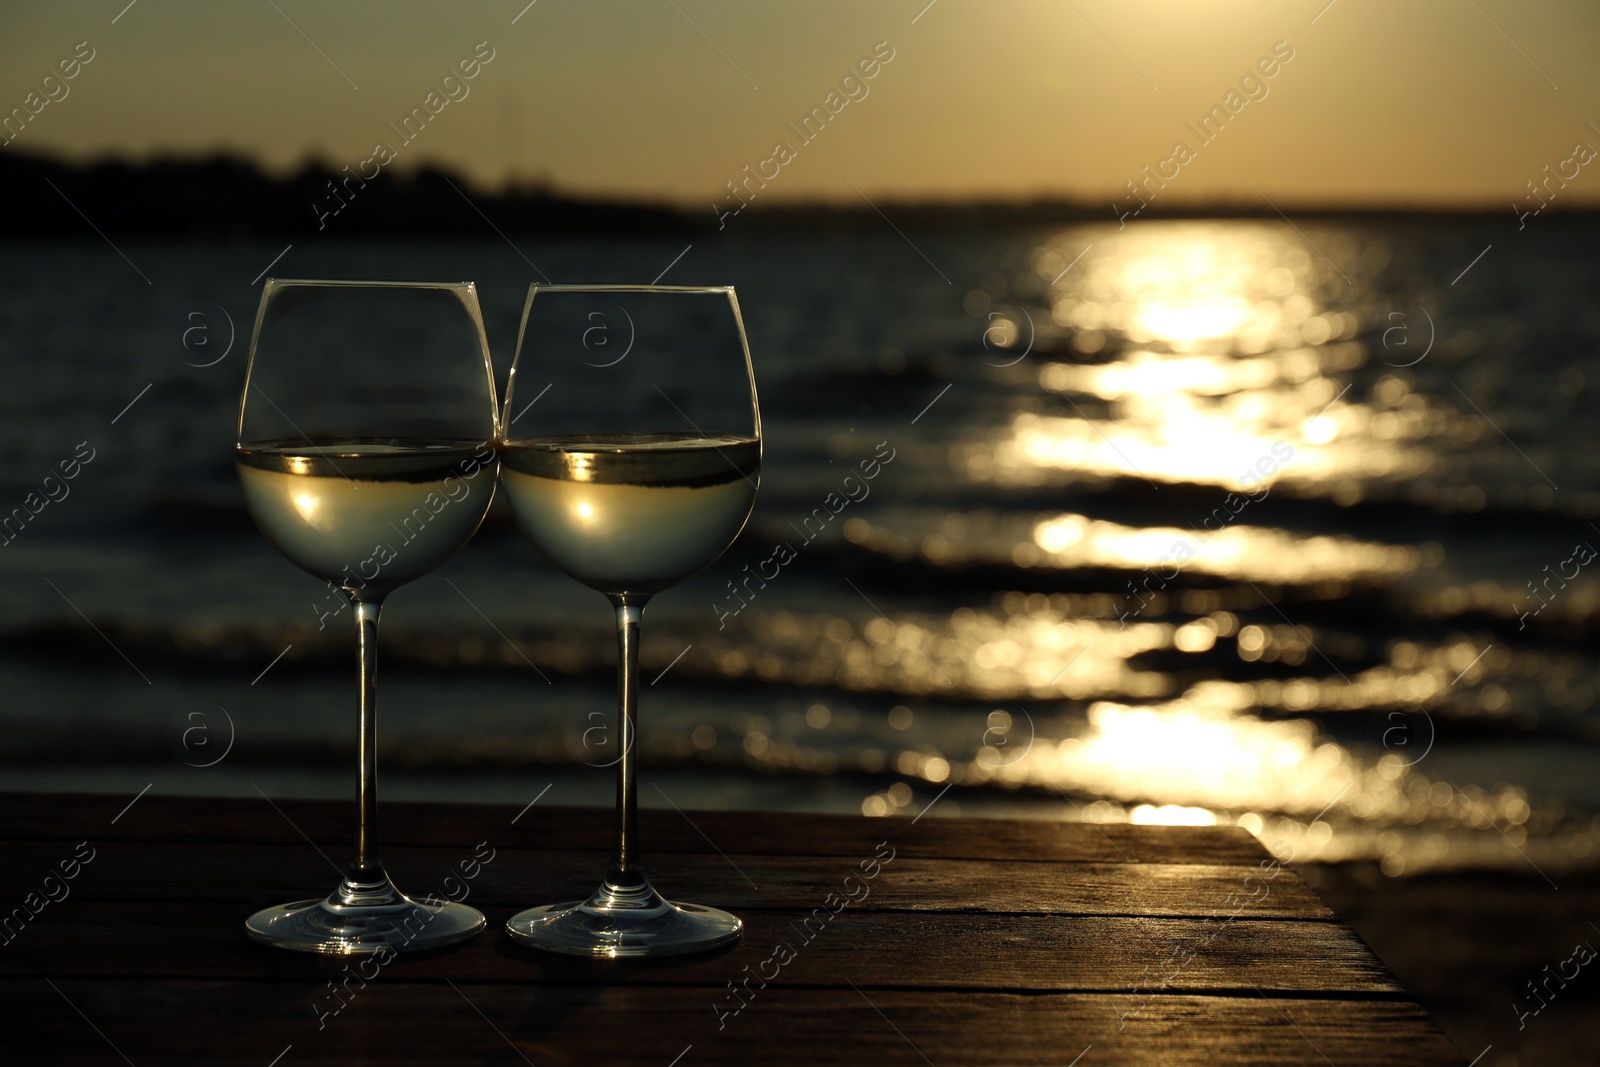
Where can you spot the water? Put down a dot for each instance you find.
(1185, 522)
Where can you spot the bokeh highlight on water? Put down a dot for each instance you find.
(1188, 521)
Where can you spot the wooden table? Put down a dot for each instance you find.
(979, 942)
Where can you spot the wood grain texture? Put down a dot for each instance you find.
(981, 942)
(252, 820)
(250, 874)
(246, 1023)
(877, 948)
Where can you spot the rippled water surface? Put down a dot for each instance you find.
(1186, 522)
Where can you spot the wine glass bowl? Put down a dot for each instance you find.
(366, 456)
(637, 471)
(632, 514)
(377, 513)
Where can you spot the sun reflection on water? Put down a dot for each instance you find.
(1225, 357)
(1064, 541)
(1210, 354)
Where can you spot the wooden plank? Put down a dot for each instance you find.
(128, 871)
(1152, 944)
(60, 817)
(877, 949)
(400, 1023)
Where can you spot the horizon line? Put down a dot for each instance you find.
(1240, 204)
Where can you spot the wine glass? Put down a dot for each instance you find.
(366, 456)
(636, 472)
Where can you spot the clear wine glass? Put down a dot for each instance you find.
(366, 456)
(637, 471)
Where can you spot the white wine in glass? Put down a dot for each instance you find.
(633, 512)
(635, 473)
(366, 455)
(325, 504)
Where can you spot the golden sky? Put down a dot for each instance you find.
(1383, 101)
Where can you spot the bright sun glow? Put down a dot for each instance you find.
(1187, 323)
(1171, 815)
(1320, 430)
(306, 505)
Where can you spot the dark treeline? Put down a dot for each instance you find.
(227, 197)
(230, 198)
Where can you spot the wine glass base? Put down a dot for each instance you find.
(613, 924)
(326, 927)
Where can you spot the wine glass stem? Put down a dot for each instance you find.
(366, 868)
(626, 870)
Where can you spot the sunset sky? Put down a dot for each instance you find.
(1422, 102)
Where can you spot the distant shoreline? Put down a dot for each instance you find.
(228, 197)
